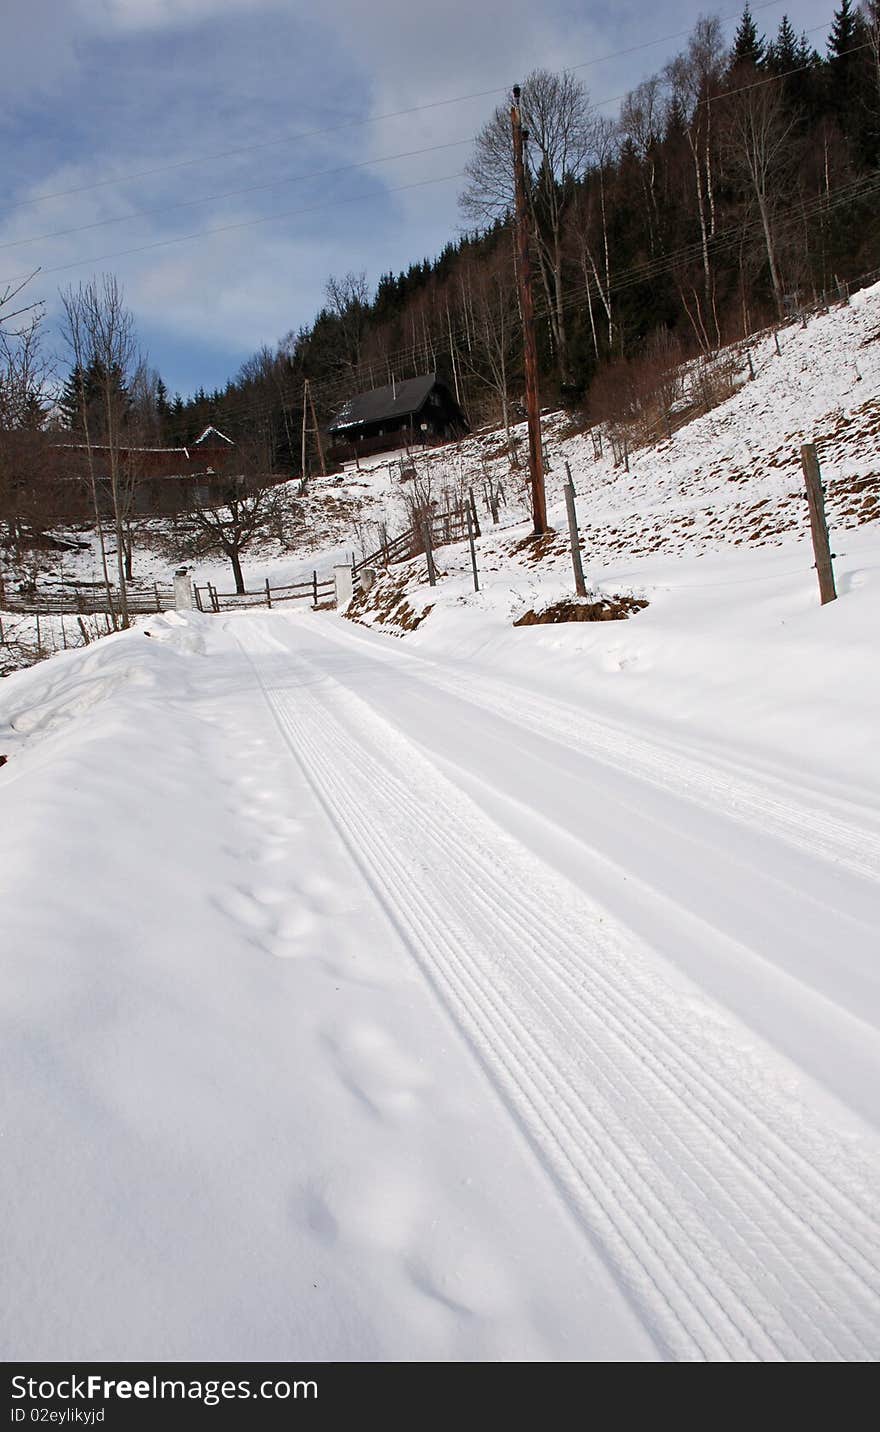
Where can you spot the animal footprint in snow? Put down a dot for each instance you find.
(328, 896)
(293, 932)
(242, 907)
(376, 1070)
(314, 1210)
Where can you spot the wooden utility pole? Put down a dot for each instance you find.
(818, 525)
(309, 406)
(316, 429)
(527, 309)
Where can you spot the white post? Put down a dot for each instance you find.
(342, 579)
(183, 592)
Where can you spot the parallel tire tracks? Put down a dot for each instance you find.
(739, 1230)
(706, 784)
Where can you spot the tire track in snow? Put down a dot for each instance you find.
(807, 828)
(734, 1243)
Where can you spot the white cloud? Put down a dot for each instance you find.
(166, 14)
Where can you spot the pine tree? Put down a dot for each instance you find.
(842, 36)
(70, 401)
(748, 48)
(782, 54)
(848, 71)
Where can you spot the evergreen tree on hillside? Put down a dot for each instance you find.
(849, 72)
(782, 53)
(177, 422)
(84, 388)
(843, 35)
(162, 407)
(800, 70)
(70, 401)
(749, 49)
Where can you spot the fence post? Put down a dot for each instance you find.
(776, 340)
(470, 528)
(818, 525)
(315, 588)
(158, 602)
(751, 365)
(198, 596)
(183, 591)
(580, 585)
(268, 595)
(429, 551)
(343, 585)
(471, 505)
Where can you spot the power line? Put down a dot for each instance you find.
(242, 224)
(357, 121)
(236, 193)
(361, 164)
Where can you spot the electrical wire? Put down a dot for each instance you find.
(357, 121)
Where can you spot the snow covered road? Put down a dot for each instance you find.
(452, 1021)
(740, 1227)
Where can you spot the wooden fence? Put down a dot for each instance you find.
(86, 601)
(445, 527)
(208, 599)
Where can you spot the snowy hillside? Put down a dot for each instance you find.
(729, 478)
(419, 986)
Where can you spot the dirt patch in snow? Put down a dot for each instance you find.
(387, 605)
(535, 549)
(606, 609)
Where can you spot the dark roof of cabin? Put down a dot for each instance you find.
(395, 400)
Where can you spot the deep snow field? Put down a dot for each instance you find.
(470, 991)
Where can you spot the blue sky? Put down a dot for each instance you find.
(97, 90)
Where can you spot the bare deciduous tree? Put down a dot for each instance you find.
(250, 506)
(228, 528)
(348, 299)
(99, 331)
(759, 149)
(495, 332)
(694, 79)
(556, 113)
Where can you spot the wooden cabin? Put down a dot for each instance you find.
(163, 480)
(410, 413)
